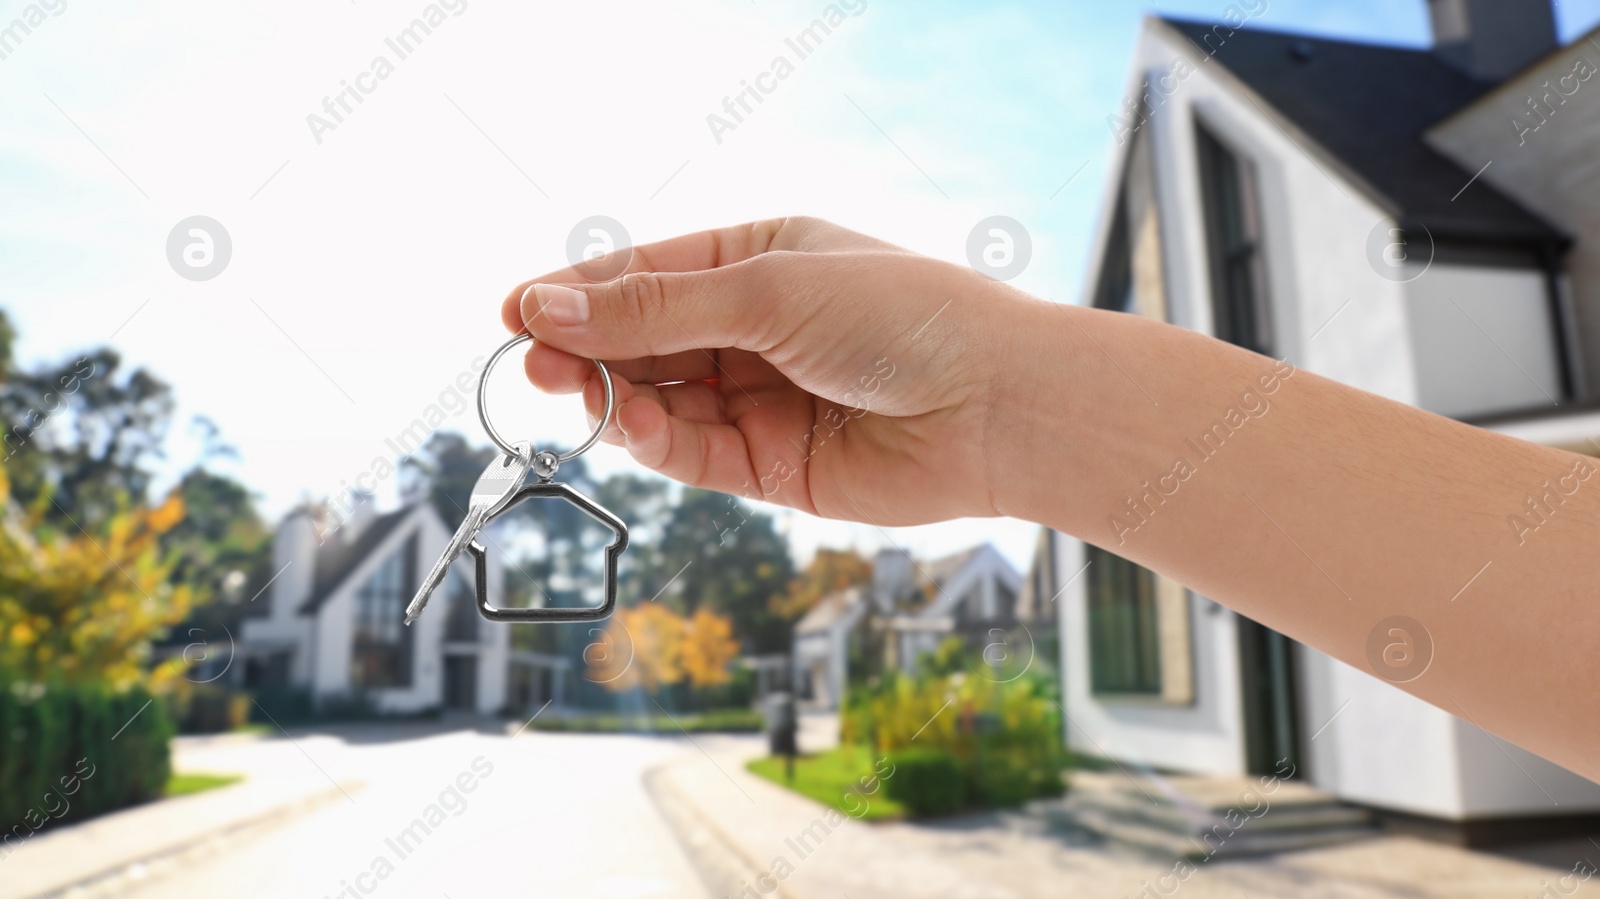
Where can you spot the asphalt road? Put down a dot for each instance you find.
(556, 815)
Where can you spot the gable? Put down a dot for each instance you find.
(337, 564)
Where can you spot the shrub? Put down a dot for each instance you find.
(72, 752)
(1006, 734)
(927, 781)
(714, 721)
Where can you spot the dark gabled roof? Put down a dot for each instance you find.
(337, 560)
(1367, 106)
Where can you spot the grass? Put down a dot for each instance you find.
(834, 778)
(189, 784)
(717, 720)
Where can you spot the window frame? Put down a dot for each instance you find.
(1235, 241)
(1124, 627)
(377, 626)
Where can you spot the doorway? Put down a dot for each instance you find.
(461, 683)
(1269, 679)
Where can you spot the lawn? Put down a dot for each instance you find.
(189, 784)
(714, 721)
(834, 778)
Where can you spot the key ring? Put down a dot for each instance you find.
(544, 463)
(501, 488)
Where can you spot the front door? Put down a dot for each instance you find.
(461, 683)
(1271, 712)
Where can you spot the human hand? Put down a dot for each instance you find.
(790, 360)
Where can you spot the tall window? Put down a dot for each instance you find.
(1233, 243)
(1124, 643)
(461, 621)
(380, 654)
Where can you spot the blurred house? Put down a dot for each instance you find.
(908, 609)
(334, 622)
(1420, 223)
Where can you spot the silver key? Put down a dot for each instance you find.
(493, 490)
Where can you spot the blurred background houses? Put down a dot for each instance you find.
(905, 612)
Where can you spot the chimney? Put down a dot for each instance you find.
(294, 553)
(1492, 39)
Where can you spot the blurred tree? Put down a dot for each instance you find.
(708, 648)
(829, 571)
(644, 649)
(221, 533)
(731, 559)
(645, 503)
(80, 431)
(83, 605)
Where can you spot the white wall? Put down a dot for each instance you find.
(1367, 741)
(809, 650)
(1483, 340)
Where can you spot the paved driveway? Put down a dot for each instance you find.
(546, 815)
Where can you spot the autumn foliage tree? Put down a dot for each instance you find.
(650, 647)
(708, 648)
(82, 605)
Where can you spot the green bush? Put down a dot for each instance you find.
(927, 781)
(717, 721)
(72, 752)
(1006, 733)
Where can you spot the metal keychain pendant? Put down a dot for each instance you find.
(501, 487)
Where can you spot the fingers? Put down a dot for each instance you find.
(687, 253)
(662, 313)
(554, 371)
(707, 452)
(696, 402)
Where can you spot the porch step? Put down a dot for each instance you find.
(1204, 817)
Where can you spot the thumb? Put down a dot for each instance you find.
(658, 313)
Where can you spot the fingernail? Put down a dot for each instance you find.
(617, 419)
(562, 305)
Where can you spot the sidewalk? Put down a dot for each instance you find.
(103, 855)
(766, 830)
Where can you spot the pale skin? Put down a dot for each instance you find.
(1328, 509)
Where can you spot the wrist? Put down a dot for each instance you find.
(1066, 420)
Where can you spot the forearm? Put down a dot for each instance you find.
(1318, 510)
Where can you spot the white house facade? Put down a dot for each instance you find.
(1422, 224)
(334, 623)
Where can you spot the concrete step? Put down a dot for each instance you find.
(1197, 817)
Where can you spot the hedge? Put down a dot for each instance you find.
(715, 721)
(927, 781)
(73, 752)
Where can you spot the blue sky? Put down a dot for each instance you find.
(368, 265)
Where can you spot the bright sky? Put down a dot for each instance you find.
(367, 269)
